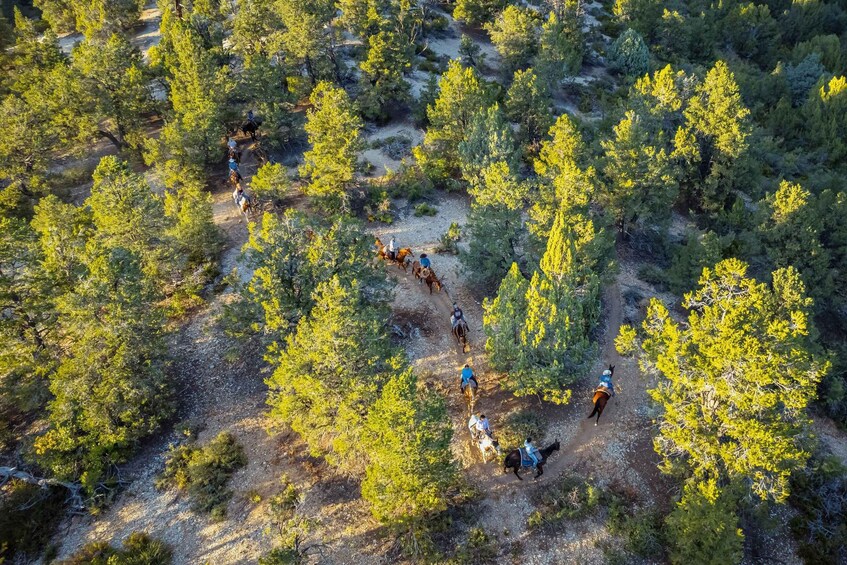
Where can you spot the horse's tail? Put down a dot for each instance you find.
(593, 412)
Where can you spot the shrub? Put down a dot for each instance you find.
(378, 209)
(569, 498)
(424, 209)
(138, 549)
(519, 425)
(408, 182)
(271, 183)
(479, 548)
(819, 493)
(450, 240)
(395, 146)
(629, 54)
(202, 472)
(640, 529)
(28, 517)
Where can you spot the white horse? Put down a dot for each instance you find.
(242, 201)
(486, 445)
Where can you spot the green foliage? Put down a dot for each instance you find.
(334, 134)
(629, 54)
(818, 493)
(271, 183)
(703, 528)
(411, 467)
(450, 239)
(528, 105)
(203, 472)
(569, 498)
(752, 31)
(383, 85)
(193, 229)
(803, 76)
(698, 252)
(330, 371)
(477, 12)
(489, 141)
(138, 549)
(738, 375)
(29, 515)
(480, 548)
(470, 53)
(519, 425)
(641, 179)
(513, 34)
(641, 529)
(494, 239)
(561, 45)
(640, 15)
(424, 209)
(289, 527)
(826, 118)
(461, 96)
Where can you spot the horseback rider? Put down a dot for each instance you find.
(482, 425)
(532, 452)
(250, 117)
(425, 262)
(239, 195)
(233, 166)
(232, 144)
(457, 316)
(468, 377)
(606, 382)
(392, 248)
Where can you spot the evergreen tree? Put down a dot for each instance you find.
(63, 230)
(495, 234)
(331, 372)
(470, 53)
(112, 75)
(461, 96)
(718, 120)
(752, 32)
(192, 224)
(58, 13)
(826, 124)
(629, 54)
(110, 390)
(503, 321)
(310, 40)
(561, 46)
(498, 186)
(703, 528)
(639, 15)
(102, 18)
(793, 234)
(640, 179)
(514, 35)
(735, 379)
(477, 12)
(25, 143)
(490, 140)
(383, 85)
(334, 129)
(411, 468)
(528, 104)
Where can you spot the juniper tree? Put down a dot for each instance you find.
(528, 105)
(495, 234)
(514, 35)
(461, 96)
(383, 84)
(477, 12)
(561, 47)
(110, 389)
(330, 372)
(826, 124)
(410, 465)
(719, 121)
(629, 54)
(310, 39)
(489, 140)
(735, 378)
(641, 181)
(503, 320)
(63, 231)
(334, 127)
(192, 228)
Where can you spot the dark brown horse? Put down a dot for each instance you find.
(601, 397)
(460, 332)
(513, 460)
(427, 275)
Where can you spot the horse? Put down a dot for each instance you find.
(427, 275)
(235, 178)
(234, 153)
(486, 444)
(460, 332)
(601, 397)
(249, 128)
(245, 203)
(513, 460)
(402, 255)
(469, 391)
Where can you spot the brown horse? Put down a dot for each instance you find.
(402, 256)
(513, 460)
(460, 332)
(427, 275)
(601, 397)
(469, 391)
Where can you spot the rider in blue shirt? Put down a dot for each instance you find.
(532, 451)
(606, 381)
(467, 377)
(233, 166)
(425, 262)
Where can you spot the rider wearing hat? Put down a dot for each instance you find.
(457, 316)
(606, 381)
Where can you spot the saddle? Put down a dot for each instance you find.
(425, 272)
(526, 460)
(604, 389)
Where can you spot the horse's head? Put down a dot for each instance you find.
(555, 446)
(612, 369)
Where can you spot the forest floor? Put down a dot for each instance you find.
(225, 392)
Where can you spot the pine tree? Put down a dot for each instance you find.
(703, 528)
(718, 119)
(102, 18)
(112, 75)
(503, 321)
(411, 468)
(477, 12)
(793, 234)
(310, 39)
(561, 46)
(331, 371)
(25, 145)
(499, 187)
(58, 13)
(640, 15)
(461, 96)
(490, 140)
(110, 390)
(192, 224)
(495, 234)
(826, 124)
(334, 129)
(528, 105)
(629, 54)
(735, 379)
(641, 181)
(383, 84)
(514, 35)
(63, 230)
